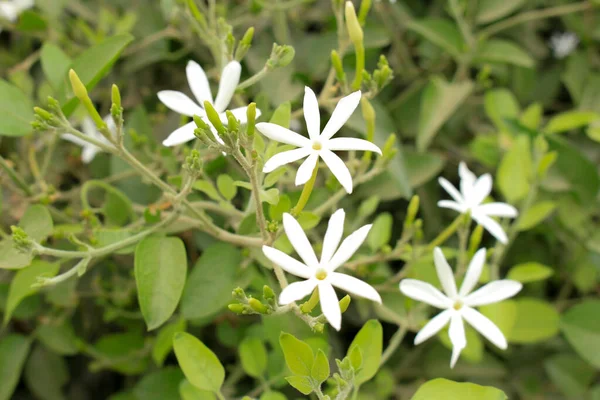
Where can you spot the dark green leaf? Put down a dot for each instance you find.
(13, 352)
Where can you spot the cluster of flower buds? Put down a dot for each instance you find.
(246, 305)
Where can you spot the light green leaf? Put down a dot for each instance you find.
(308, 220)
(117, 208)
(503, 51)
(207, 188)
(273, 177)
(536, 214)
(226, 186)
(500, 104)
(491, 10)
(422, 167)
(320, 368)
(187, 391)
(282, 115)
(370, 341)
(160, 272)
(253, 356)
(273, 396)
(45, 374)
(199, 364)
(448, 390)
(381, 232)
(441, 32)
(60, 338)
(13, 353)
(529, 272)
(283, 205)
(300, 383)
(16, 109)
(581, 326)
(532, 116)
(164, 340)
(570, 374)
(298, 355)
(473, 352)
(536, 321)
(503, 314)
(369, 206)
(105, 237)
(515, 169)
(439, 101)
(159, 385)
(570, 120)
(37, 222)
(55, 64)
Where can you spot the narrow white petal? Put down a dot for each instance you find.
(311, 113)
(241, 114)
(285, 157)
(473, 273)
(298, 239)
(354, 286)
(338, 169)
(198, 82)
(498, 210)
(341, 114)
(433, 326)
(9, 11)
(451, 205)
(348, 247)
(333, 236)
(181, 135)
(110, 124)
(423, 291)
(74, 139)
(89, 127)
(451, 190)
(307, 168)
(287, 263)
(484, 326)
(281, 134)
(330, 305)
(444, 273)
(296, 291)
(491, 226)
(481, 189)
(352, 144)
(465, 174)
(179, 103)
(230, 77)
(457, 337)
(493, 292)
(88, 153)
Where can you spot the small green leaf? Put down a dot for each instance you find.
(491, 10)
(570, 120)
(308, 220)
(298, 355)
(284, 205)
(442, 32)
(536, 321)
(536, 214)
(55, 64)
(273, 396)
(515, 169)
(13, 353)
(199, 364)
(500, 104)
(369, 206)
(381, 232)
(187, 391)
(207, 188)
(226, 186)
(370, 341)
(503, 51)
(356, 358)
(448, 390)
(117, 208)
(59, 338)
(532, 116)
(159, 385)
(160, 273)
(570, 374)
(37, 222)
(282, 115)
(502, 314)
(273, 177)
(300, 383)
(529, 272)
(320, 368)
(16, 109)
(253, 356)
(164, 340)
(581, 326)
(45, 374)
(121, 352)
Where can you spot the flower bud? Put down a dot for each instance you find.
(268, 293)
(232, 123)
(411, 212)
(258, 306)
(237, 308)
(244, 44)
(198, 16)
(388, 150)
(116, 96)
(336, 62)
(21, 240)
(213, 117)
(345, 303)
(475, 239)
(230, 43)
(251, 118)
(54, 105)
(78, 87)
(363, 11)
(352, 25)
(281, 55)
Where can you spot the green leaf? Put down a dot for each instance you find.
(503, 314)
(356, 358)
(226, 186)
(422, 167)
(16, 109)
(273, 396)
(121, 352)
(500, 104)
(320, 368)
(45, 374)
(37, 222)
(55, 64)
(282, 115)
(160, 272)
(60, 338)
(117, 208)
(308, 220)
(20, 286)
(284, 205)
(368, 207)
(491, 10)
(448, 390)
(298, 355)
(159, 385)
(536, 214)
(95, 62)
(164, 340)
(532, 116)
(253, 356)
(536, 321)
(439, 101)
(503, 51)
(300, 383)
(570, 374)
(370, 341)
(208, 287)
(570, 120)
(581, 327)
(529, 272)
(442, 32)
(13, 353)
(381, 232)
(187, 391)
(207, 188)
(514, 170)
(199, 364)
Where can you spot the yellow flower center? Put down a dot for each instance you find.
(321, 274)
(317, 145)
(458, 305)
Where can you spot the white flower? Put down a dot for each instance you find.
(179, 102)
(459, 304)
(320, 144)
(322, 273)
(11, 9)
(473, 191)
(563, 44)
(89, 128)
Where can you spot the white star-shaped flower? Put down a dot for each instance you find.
(318, 144)
(563, 44)
(89, 128)
(473, 192)
(322, 273)
(10, 10)
(182, 104)
(458, 305)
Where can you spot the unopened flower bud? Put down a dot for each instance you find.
(258, 306)
(336, 62)
(213, 117)
(198, 16)
(237, 308)
(352, 25)
(116, 96)
(345, 303)
(411, 212)
(239, 294)
(319, 327)
(251, 118)
(78, 87)
(244, 44)
(475, 239)
(388, 150)
(21, 240)
(268, 293)
(232, 123)
(230, 43)
(281, 55)
(363, 11)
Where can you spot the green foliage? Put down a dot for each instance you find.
(370, 341)
(581, 328)
(13, 353)
(253, 356)
(199, 364)
(443, 388)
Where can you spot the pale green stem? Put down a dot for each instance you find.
(393, 344)
(254, 78)
(306, 191)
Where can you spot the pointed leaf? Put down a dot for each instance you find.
(199, 364)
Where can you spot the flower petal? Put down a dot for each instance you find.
(433, 326)
(341, 114)
(299, 241)
(286, 262)
(181, 135)
(89, 128)
(457, 337)
(241, 115)
(493, 292)
(285, 157)
(491, 226)
(89, 152)
(74, 139)
(9, 11)
(296, 291)
(451, 205)
(484, 326)
(179, 103)
(424, 292)
(348, 247)
(352, 144)
(330, 305)
(198, 82)
(498, 210)
(307, 168)
(354, 286)
(281, 134)
(333, 236)
(230, 77)
(473, 273)
(481, 189)
(466, 175)
(444, 273)
(338, 169)
(451, 190)
(311, 113)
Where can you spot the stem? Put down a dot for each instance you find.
(306, 191)
(15, 177)
(462, 23)
(393, 344)
(254, 78)
(49, 154)
(446, 233)
(220, 395)
(463, 240)
(260, 213)
(360, 65)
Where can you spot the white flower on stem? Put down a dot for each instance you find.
(319, 143)
(563, 44)
(322, 274)
(473, 191)
(198, 82)
(10, 9)
(88, 127)
(458, 304)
